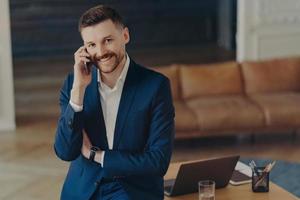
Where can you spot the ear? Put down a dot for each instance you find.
(126, 35)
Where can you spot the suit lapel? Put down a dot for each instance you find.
(94, 108)
(126, 101)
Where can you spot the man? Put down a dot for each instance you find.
(117, 117)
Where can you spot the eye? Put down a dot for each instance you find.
(108, 40)
(91, 45)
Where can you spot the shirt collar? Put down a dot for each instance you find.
(122, 76)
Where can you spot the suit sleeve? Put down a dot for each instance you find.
(155, 158)
(68, 138)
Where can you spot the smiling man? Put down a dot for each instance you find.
(117, 117)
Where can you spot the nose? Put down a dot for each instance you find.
(101, 50)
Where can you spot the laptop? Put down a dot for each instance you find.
(189, 174)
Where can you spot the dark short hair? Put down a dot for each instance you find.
(99, 14)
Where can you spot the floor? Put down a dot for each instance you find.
(29, 169)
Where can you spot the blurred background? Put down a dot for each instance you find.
(39, 37)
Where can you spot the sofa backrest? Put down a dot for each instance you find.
(172, 72)
(272, 75)
(210, 79)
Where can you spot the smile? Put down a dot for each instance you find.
(105, 59)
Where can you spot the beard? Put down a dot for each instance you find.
(109, 62)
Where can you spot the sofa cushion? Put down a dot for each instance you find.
(226, 112)
(280, 109)
(172, 73)
(185, 118)
(272, 76)
(210, 79)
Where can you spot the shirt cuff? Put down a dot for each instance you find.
(102, 158)
(76, 108)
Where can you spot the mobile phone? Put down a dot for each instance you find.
(88, 65)
(239, 178)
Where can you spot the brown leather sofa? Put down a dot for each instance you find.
(235, 98)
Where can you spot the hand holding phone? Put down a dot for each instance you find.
(82, 68)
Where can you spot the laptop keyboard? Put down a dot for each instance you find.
(168, 184)
(168, 188)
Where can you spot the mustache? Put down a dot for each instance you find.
(99, 58)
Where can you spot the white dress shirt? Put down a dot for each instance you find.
(110, 100)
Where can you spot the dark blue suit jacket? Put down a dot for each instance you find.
(143, 137)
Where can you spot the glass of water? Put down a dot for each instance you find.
(206, 190)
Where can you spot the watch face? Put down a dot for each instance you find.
(93, 152)
(93, 148)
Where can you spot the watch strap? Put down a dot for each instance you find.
(93, 151)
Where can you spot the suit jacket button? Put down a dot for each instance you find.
(70, 123)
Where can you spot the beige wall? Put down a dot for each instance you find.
(7, 111)
(1, 110)
(268, 29)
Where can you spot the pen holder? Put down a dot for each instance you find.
(260, 180)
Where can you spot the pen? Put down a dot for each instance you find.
(253, 167)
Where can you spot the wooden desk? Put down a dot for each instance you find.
(242, 192)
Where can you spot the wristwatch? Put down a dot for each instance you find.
(93, 151)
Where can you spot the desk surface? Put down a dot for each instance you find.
(230, 192)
